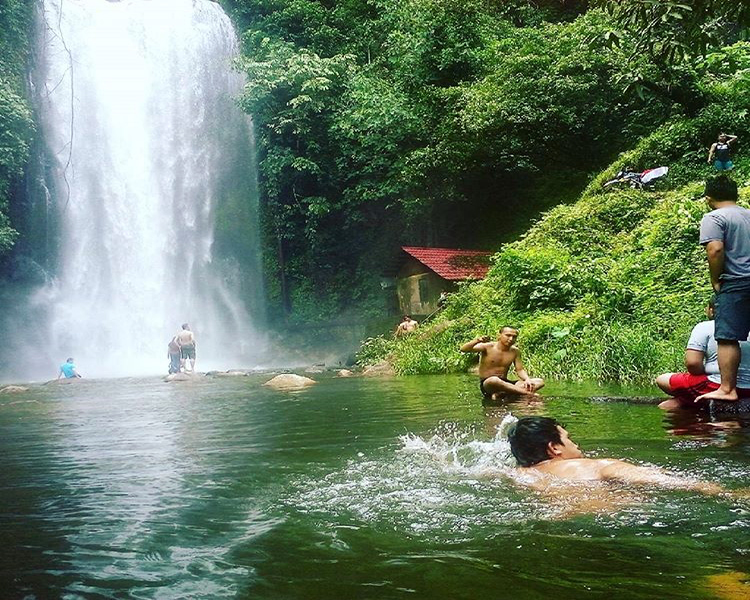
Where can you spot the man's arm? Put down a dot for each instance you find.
(475, 345)
(694, 362)
(521, 371)
(711, 153)
(715, 255)
(620, 470)
(732, 139)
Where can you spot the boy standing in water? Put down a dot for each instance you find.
(186, 342)
(173, 351)
(495, 359)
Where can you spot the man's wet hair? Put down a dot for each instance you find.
(69, 359)
(530, 437)
(185, 325)
(721, 188)
(504, 327)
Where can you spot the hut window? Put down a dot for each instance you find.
(423, 290)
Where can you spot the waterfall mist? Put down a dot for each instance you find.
(153, 180)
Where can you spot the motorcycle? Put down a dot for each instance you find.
(636, 180)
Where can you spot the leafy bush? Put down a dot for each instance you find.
(607, 288)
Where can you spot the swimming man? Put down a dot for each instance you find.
(495, 359)
(541, 445)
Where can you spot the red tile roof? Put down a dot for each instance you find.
(452, 264)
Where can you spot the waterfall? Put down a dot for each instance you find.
(154, 184)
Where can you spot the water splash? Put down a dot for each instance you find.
(149, 151)
(448, 485)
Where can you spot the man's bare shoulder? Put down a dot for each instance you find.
(578, 469)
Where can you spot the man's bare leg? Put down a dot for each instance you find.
(662, 381)
(537, 384)
(729, 362)
(496, 387)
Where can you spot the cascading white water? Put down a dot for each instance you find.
(149, 150)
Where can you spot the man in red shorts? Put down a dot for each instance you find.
(701, 361)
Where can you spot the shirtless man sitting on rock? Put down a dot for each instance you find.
(495, 359)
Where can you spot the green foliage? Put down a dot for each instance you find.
(437, 121)
(16, 124)
(666, 37)
(607, 288)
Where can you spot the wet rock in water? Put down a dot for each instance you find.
(382, 369)
(345, 373)
(741, 406)
(288, 381)
(13, 389)
(233, 373)
(179, 377)
(316, 369)
(67, 380)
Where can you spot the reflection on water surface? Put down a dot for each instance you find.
(354, 488)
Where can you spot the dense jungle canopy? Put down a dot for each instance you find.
(459, 123)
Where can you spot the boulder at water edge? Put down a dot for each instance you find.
(345, 373)
(382, 369)
(289, 381)
(13, 389)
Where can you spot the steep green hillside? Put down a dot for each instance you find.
(16, 125)
(609, 287)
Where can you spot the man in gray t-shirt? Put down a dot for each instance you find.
(725, 232)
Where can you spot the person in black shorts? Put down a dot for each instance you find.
(495, 360)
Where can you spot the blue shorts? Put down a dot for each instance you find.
(723, 165)
(733, 310)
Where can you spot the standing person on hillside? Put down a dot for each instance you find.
(495, 359)
(725, 232)
(721, 151)
(186, 341)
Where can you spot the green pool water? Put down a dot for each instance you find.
(351, 489)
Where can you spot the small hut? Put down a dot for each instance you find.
(424, 273)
